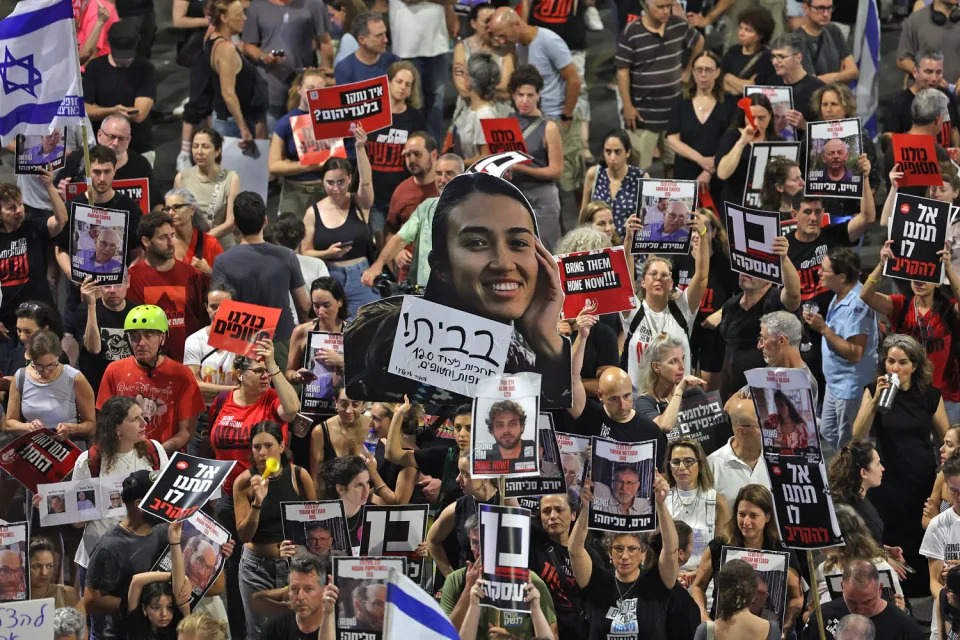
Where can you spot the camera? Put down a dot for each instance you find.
(386, 286)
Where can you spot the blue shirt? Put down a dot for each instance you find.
(86, 261)
(350, 69)
(850, 317)
(284, 131)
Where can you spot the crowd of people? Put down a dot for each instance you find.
(126, 370)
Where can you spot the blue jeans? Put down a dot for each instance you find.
(434, 71)
(836, 420)
(226, 128)
(258, 573)
(357, 294)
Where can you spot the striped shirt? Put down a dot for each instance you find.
(656, 65)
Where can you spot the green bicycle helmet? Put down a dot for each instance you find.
(146, 316)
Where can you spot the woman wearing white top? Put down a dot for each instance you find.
(693, 499)
(121, 448)
(659, 295)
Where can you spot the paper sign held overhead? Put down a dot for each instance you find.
(336, 111)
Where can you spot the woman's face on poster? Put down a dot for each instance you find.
(492, 251)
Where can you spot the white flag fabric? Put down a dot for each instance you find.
(413, 614)
(866, 51)
(40, 87)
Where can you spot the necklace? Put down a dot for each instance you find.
(622, 595)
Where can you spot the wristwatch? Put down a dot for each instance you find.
(565, 117)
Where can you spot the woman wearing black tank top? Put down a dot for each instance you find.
(257, 495)
(337, 227)
(328, 303)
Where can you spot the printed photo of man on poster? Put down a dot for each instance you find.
(622, 495)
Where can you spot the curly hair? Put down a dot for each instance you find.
(109, 417)
(525, 74)
(10, 193)
(582, 238)
(844, 95)
(844, 480)
(413, 100)
(737, 581)
(859, 543)
(506, 406)
(203, 625)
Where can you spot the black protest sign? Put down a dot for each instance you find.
(804, 507)
(623, 474)
(772, 568)
(316, 395)
(14, 543)
(699, 417)
(363, 594)
(550, 480)
(760, 154)
(317, 527)
(238, 325)
(184, 485)
(751, 233)
(833, 148)
(395, 531)
(505, 551)
(203, 561)
(918, 228)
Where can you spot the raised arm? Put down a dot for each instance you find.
(585, 322)
(579, 558)
(879, 302)
(858, 224)
(394, 451)
(701, 269)
(790, 295)
(138, 582)
(669, 562)
(365, 190)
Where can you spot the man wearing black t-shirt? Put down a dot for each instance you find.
(927, 74)
(312, 605)
(929, 111)
(24, 250)
(787, 55)
(862, 595)
(100, 326)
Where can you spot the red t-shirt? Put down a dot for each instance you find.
(230, 436)
(211, 249)
(180, 292)
(931, 332)
(167, 396)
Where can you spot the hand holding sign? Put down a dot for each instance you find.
(917, 157)
(240, 327)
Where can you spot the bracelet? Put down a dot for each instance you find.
(869, 279)
(382, 485)
(702, 233)
(273, 373)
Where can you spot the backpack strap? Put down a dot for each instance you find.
(154, 455)
(678, 316)
(634, 324)
(218, 407)
(710, 632)
(93, 461)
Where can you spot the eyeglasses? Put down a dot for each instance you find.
(704, 69)
(258, 372)
(112, 138)
(174, 207)
(780, 57)
(626, 483)
(659, 276)
(6, 572)
(44, 368)
(686, 462)
(619, 549)
(823, 8)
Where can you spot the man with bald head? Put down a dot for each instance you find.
(614, 417)
(835, 156)
(101, 259)
(739, 462)
(11, 576)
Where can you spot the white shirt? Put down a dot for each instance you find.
(654, 323)
(700, 514)
(123, 464)
(418, 29)
(216, 368)
(941, 541)
(730, 473)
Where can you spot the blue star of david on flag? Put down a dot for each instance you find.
(34, 78)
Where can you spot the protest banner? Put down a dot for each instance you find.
(135, 188)
(888, 588)
(35, 153)
(918, 228)
(833, 149)
(700, 415)
(503, 440)
(806, 517)
(238, 325)
(336, 111)
(69, 502)
(573, 459)
(363, 590)
(454, 353)
(917, 156)
(664, 207)
(316, 396)
(623, 475)
(503, 134)
(505, 550)
(106, 259)
(760, 154)
(781, 99)
(499, 163)
(750, 236)
(14, 543)
(311, 151)
(394, 531)
(771, 568)
(37, 457)
(184, 485)
(600, 277)
(203, 561)
(28, 619)
(318, 528)
(550, 480)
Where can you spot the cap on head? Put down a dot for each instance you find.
(123, 38)
(137, 484)
(146, 317)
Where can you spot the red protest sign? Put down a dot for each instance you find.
(917, 156)
(600, 276)
(503, 134)
(38, 458)
(336, 110)
(136, 188)
(309, 149)
(238, 325)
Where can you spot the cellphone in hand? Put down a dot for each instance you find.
(278, 53)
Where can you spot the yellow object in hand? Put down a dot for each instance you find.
(273, 465)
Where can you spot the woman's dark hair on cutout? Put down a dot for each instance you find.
(335, 289)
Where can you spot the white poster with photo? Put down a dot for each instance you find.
(623, 476)
(504, 433)
(833, 149)
(105, 260)
(111, 503)
(447, 348)
(316, 395)
(318, 528)
(786, 412)
(38, 152)
(69, 502)
(203, 560)
(781, 99)
(664, 208)
(14, 543)
(573, 459)
(363, 593)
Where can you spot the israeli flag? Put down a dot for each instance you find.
(39, 69)
(412, 614)
(866, 51)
